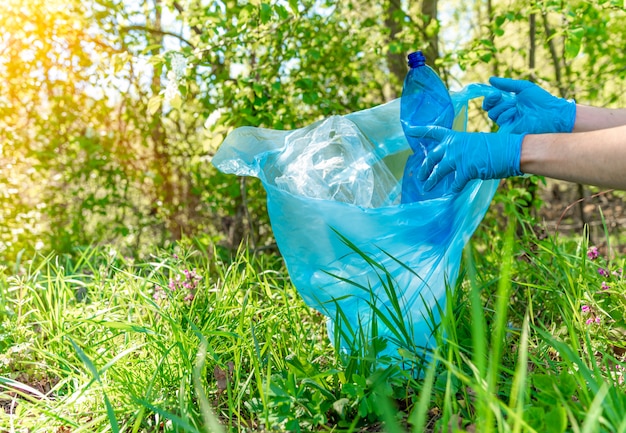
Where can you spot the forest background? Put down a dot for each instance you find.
(110, 110)
(140, 289)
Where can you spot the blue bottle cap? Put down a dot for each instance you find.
(416, 59)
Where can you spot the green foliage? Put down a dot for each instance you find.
(187, 339)
(108, 127)
(110, 113)
(548, 413)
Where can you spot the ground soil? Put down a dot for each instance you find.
(568, 208)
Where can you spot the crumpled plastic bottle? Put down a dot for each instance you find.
(425, 101)
(334, 160)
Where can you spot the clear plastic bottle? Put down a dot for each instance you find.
(425, 101)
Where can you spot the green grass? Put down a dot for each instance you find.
(189, 341)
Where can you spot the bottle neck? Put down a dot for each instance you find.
(416, 59)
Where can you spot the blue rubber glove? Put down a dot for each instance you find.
(523, 107)
(470, 155)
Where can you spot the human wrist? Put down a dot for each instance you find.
(528, 153)
(568, 116)
(515, 146)
(536, 152)
(504, 152)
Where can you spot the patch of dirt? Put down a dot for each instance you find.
(40, 385)
(568, 208)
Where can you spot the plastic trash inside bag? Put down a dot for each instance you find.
(334, 160)
(377, 269)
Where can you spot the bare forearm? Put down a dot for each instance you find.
(593, 158)
(594, 118)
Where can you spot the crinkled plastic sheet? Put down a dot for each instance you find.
(340, 255)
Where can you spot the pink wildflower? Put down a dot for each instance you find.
(605, 286)
(585, 309)
(592, 253)
(589, 321)
(598, 320)
(603, 272)
(158, 293)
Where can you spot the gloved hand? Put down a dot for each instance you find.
(471, 155)
(523, 107)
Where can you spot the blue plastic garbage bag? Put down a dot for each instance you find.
(343, 250)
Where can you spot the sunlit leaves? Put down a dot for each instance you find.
(265, 12)
(154, 104)
(573, 42)
(101, 72)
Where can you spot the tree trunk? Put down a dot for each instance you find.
(162, 162)
(429, 13)
(395, 61)
(532, 188)
(492, 37)
(556, 61)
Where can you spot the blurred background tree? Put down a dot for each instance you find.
(110, 110)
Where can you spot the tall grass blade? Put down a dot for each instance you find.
(94, 372)
(26, 390)
(211, 423)
(179, 422)
(419, 416)
(516, 402)
(594, 413)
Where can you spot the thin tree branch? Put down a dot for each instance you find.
(180, 10)
(492, 38)
(579, 202)
(532, 50)
(156, 32)
(555, 56)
